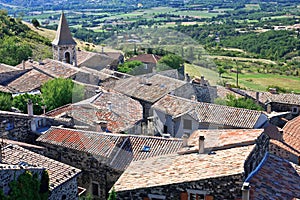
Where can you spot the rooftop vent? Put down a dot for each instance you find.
(146, 149)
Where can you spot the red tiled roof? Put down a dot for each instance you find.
(175, 169)
(207, 112)
(148, 89)
(29, 81)
(146, 58)
(226, 138)
(276, 179)
(291, 133)
(124, 114)
(59, 172)
(118, 150)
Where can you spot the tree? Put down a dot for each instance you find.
(171, 60)
(35, 22)
(242, 102)
(221, 71)
(20, 102)
(129, 66)
(5, 101)
(59, 92)
(112, 195)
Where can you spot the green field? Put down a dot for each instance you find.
(251, 81)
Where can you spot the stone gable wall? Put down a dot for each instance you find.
(256, 156)
(67, 191)
(20, 128)
(227, 187)
(94, 168)
(9, 175)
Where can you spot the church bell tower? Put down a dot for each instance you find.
(64, 46)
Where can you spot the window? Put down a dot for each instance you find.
(187, 124)
(195, 195)
(9, 126)
(95, 188)
(295, 110)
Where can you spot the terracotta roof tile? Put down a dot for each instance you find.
(174, 168)
(146, 58)
(291, 133)
(226, 138)
(276, 179)
(148, 89)
(208, 113)
(59, 172)
(29, 81)
(118, 150)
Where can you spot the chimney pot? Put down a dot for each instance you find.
(201, 144)
(185, 140)
(246, 191)
(30, 107)
(257, 97)
(269, 108)
(23, 64)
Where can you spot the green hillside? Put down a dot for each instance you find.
(18, 42)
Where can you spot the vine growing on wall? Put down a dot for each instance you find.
(28, 187)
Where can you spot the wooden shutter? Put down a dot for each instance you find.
(146, 198)
(184, 196)
(207, 197)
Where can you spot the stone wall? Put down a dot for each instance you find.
(9, 173)
(94, 168)
(68, 191)
(221, 188)
(25, 128)
(255, 157)
(277, 150)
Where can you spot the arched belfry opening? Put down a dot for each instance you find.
(64, 46)
(68, 57)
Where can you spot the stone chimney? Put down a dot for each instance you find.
(201, 144)
(273, 90)
(269, 108)
(257, 97)
(30, 107)
(227, 85)
(23, 64)
(202, 81)
(109, 106)
(101, 126)
(246, 191)
(185, 138)
(187, 77)
(193, 98)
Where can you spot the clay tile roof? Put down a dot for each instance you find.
(275, 179)
(149, 89)
(222, 92)
(124, 114)
(29, 81)
(118, 150)
(207, 112)
(56, 68)
(174, 168)
(291, 133)
(6, 68)
(59, 172)
(146, 58)
(63, 34)
(226, 138)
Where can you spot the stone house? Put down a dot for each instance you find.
(149, 63)
(102, 157)
(178, 116)
(287, 144)
(148, 90)
(272, 101)
(26, 127)
(212, 165)
(274, 178)
(106, 111)
(62, 177)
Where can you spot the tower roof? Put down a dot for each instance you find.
(63, 34)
